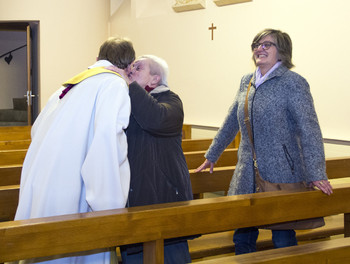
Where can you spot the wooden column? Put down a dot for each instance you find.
(153, 252)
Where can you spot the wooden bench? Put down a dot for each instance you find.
(202, 182)
(189, 145)
(11, 157)
(13, 152)
(14, 144)
(12, 160)
(10, 174)
(220, 179)
(187, 134)
(206, 245)
(8, 202)
(331, 251)
(15, 133)
(221, 243)
(152, 224)
(195, 158)
(186, 131)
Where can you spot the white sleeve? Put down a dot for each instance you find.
(106, 172)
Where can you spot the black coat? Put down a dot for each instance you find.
(159, 173)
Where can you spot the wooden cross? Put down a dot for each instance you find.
(212, 30)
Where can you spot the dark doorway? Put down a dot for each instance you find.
(19, 72)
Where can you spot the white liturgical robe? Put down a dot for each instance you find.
(77, 161)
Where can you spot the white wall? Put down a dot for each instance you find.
(206, 73)
(71, 33)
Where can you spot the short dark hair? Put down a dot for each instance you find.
(118, 51)
(283, 45)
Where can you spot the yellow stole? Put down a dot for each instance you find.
(88, 73)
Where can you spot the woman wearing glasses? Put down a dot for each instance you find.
(286, 134)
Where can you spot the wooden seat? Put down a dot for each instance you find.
(15, 133)
(195, 158)
(202, 182)
(10, 174)
(330, 251)
(221, 243)
(8, 202)
(14, 144)
(152, 224)
(11, 157)
(210, 244)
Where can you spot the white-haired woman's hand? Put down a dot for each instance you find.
(121, 72)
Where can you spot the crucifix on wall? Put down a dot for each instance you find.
(212, 30)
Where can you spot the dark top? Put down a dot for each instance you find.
(159, 172)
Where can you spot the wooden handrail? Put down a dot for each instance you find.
(80, 232)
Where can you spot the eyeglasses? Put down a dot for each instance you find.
(265, 45)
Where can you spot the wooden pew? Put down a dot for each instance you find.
(14, 129)
(219, 180)
(195, 158)
(192, 147)
(221, 243)
(187, 134)
(201, 182)
(186, 131)
(15, 133)
(195, 144)
(331, 251)
(11, 157)
(11, 160)
(152, 224)
(199, 144)
(8, 202)
(10, 174)
(14, 144)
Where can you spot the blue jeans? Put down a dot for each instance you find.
(176, 253)
(245, 239)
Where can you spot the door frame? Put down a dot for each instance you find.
(33, 74)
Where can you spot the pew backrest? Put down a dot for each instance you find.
(11, 157)
(8, 202)
(152, 224)
(14, 144)
(195, 158)
(200, 144)
(331, 251)
(220, 179)
(15, 133)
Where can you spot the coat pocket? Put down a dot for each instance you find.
(288, 158)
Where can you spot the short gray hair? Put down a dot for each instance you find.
(158, 66)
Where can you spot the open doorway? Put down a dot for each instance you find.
(19, 72)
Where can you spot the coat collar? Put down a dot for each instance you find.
(276, 73)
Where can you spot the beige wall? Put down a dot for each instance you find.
(71, 33)
(206, 73)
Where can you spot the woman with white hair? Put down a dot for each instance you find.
(159, 172)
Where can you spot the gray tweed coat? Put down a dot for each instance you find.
(287, 137)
